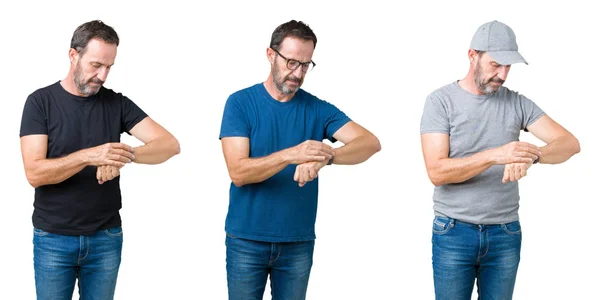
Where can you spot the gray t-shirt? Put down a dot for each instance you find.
(476, 123)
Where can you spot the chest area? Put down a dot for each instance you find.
(274, 129)
(73, 126)
(474, 128)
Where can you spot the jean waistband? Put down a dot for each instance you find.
(455, 221)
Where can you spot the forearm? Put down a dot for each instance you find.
(254, 170)
(156, 151)
(559, 150)
(456, 170)
(55, 170)
(357, 151)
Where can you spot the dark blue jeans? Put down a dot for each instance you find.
(463, 252)
(249, 263)
(60, 260)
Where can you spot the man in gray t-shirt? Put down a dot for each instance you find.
(470, 139)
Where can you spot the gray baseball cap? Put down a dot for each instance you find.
(499, 41)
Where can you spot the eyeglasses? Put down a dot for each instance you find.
(293, 64)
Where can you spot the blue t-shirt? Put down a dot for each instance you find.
(277, 209)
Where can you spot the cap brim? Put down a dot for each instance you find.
(507, 57)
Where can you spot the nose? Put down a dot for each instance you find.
(298, 72)
(103, 74)
(503, 72)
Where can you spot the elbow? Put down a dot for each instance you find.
(33, 180)
(373, 145)
(572, 146)
(576, 146)
(436, 181)
(435, 178)
(237, 180)
(376, 145)
(176, 148)
(238, 183)
(34, 184)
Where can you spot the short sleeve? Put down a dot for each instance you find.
(530, 112)
(334, 119)
(33, 120)
(235, 120)
(131, 114)
(435, 117)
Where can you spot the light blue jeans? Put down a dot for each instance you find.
(60, 260)
(249, 263)
(463, 252)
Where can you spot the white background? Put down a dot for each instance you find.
(375, 61)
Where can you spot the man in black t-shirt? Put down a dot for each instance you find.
(70, 143)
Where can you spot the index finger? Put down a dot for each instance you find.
(529, 147)
(115, 163)
(326, 148)
(122, 146)
(506, 177)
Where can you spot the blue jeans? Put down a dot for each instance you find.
(60, 259)
(463, 252)
(249, 263)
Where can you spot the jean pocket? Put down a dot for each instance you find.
(114, 232)
(512, 227)
(441, 225)
(40, 232)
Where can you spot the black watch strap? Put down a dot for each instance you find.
(330, 162)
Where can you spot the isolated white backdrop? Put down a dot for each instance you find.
(377, 61)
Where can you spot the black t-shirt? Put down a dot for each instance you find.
(78, 205)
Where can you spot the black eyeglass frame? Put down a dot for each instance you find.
(306, 66)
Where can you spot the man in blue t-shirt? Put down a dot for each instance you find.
(272, 136)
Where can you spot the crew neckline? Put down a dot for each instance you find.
(474, 96)
(263, 90)
(76, 97)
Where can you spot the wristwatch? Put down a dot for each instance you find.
(536, 160)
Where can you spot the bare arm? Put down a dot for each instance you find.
(359, 144)
(159, 144)
(444, 170)
(245, 170)
(43, 171)
(560, 143)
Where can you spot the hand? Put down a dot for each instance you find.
(516, 152)
(308, 171)
(514, 172)
(310, 151)
(109, 154)
(106, 173)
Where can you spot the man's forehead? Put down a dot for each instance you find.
(296, 48)
(100, 52)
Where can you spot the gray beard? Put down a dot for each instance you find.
(483, 87)
(83, 88)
